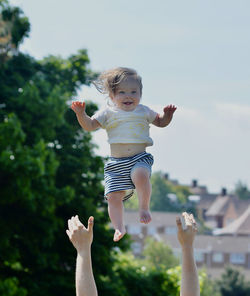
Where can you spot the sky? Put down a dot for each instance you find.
(193, 54)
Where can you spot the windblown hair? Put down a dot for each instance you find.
(108, 81)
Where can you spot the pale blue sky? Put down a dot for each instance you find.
(194, 54)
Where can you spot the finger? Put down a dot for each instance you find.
(178, 223)
(90, 223)
(68, 233)
(70, 226)
(192, 218)
(78, 222)
(187, 219)
(74, 221)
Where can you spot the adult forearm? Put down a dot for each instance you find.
(189, 280)
(85, 121)
(85, 282)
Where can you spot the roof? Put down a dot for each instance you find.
(198, 189)
(221, 203)
(217, 206)
(206, 201)
(240, 226)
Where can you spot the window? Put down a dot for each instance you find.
(170, 230)
(151, 230)
(136, 247)
(218, 257)
(199, 256)
(134, 229)
(237, 258)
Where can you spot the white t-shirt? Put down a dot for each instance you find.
(126, 126)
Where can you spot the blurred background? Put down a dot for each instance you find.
(191, 54)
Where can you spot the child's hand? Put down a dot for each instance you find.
(186, 235)
(169, 110)
(78, 107)
(80, 236)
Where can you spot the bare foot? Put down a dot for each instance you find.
(119, 234)
(145, 216)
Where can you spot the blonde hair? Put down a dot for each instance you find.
(108, 81)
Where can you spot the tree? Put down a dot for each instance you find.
(232, 283)
(136, 277)
(48, 171)
(158, 254)
(14, 28)
(162, 189)
(242, 191)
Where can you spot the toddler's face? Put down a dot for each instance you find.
(127, 95)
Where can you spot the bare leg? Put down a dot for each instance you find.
(140, 178)
(115, 209)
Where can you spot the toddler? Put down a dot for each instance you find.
(127, 124)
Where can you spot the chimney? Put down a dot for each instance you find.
(166, 176)
(194, 183)
(223, 191)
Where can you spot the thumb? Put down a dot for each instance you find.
(178, 223)
(90, 223)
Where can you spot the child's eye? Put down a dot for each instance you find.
(133, 92)
(121, 92)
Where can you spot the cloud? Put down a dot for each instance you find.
(211, 145)
(236, 115)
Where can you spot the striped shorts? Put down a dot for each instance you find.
(117, 172)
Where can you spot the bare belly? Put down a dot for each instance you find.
(126, 150)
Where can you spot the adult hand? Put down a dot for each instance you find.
(80, 236)
(187, 231)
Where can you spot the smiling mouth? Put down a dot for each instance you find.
(128, 103)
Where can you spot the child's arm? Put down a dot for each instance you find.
(165, 119)
(189, 276)
(81, 239)
(84, 120)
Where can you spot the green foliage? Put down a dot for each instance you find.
(159, 255)
(137, 279)
(232, 283)
(10, 287)
(208, 286)
(162, 188)
(133, 277)
(14, 28)
(132, 203)
(242, 191)
(48, 172)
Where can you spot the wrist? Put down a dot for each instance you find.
(187, 247)
(84, 251)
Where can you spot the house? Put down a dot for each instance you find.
(197, 189)
(215, 252)
(162, 222)
(225, 209)
(212, 252)
(239, 227)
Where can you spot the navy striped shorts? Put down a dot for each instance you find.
(117, 172)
